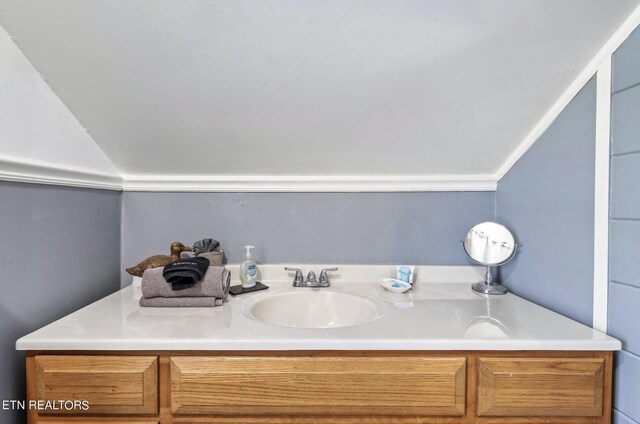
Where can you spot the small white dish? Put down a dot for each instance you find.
(395, 285)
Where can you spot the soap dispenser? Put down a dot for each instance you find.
(248, 269)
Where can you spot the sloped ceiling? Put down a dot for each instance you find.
(37, 131)
(300, 88)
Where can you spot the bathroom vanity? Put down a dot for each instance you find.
(440, 353)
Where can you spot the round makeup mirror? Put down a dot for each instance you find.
(490, 244)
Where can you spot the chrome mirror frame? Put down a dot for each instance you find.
(501, 239)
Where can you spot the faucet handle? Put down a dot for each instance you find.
(324, 278)
(298, 280)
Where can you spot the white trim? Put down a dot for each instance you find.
(23, 171)
(20, 170)
(271, 183)
(583, 77)
(601, 197)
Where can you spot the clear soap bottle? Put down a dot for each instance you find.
(248, 269)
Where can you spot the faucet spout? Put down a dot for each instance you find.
(311, 279)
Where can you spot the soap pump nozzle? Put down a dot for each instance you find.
(248, 247)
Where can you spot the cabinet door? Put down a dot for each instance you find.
(324, 386)
(110, 384)
(561, 387)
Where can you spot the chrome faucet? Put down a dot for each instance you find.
(311, 281)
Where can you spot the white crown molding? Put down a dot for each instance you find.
(270, 183)
(20, 170)
(583, 77)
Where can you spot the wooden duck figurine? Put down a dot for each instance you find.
(159, 260)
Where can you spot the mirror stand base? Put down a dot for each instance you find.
(489, 288)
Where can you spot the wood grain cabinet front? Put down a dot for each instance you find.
(322, 386)
(560, 387)
(109, 384)
(330, 387)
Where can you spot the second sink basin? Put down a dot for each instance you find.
(321, 308)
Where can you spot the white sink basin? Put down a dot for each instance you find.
(320, 308)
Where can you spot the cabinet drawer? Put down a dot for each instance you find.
(540, 387)
(318, 385)
(110, 384)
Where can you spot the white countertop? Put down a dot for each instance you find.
(432, 316)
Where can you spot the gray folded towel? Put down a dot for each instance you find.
(215, 283)
(180, 302)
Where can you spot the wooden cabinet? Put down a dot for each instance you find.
(324, 387)
(318, 385)
(109, 384)
(540, 387)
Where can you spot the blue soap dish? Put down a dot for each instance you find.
(395, 285)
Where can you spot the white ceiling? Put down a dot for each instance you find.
(275, 87)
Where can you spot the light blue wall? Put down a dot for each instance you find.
(376, 228)
(547, 200)
(624, 239)
(60, 251)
